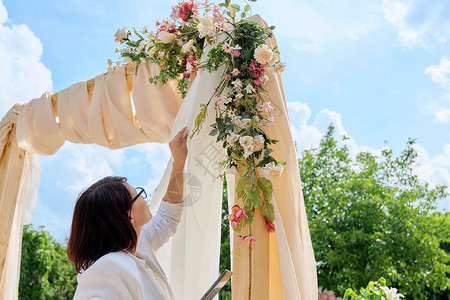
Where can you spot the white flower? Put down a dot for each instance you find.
(279, 66)
(258, 142)
(228, 100)
(127, 60)
(270, 120)
(237, 47)
(188, 47)
(110, 67)
(239, 96)
(246, 141)
(275, 59)
(165, 37)
(250, 89)
(391, 294)
(236, 120)
(204, 27)
(237, 83)
(232, 138)
(248, 151)
(263, 54)
(271, 170)
(121, 35)
(245, 121)
(235, 72)
(231, 170)
(266, 106)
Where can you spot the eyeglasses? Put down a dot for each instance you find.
(140, 191)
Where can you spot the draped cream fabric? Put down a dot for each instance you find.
(114, 119)
(19, 182)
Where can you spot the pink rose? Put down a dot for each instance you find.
(184, 10)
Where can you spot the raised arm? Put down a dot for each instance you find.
(164, 224)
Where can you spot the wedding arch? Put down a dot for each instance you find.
(121, 108)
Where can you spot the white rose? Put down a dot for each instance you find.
(258, 142)
(232, 138)
(263, 54)
(246, 141)
(187, 47)
(165, 37)
(271, 170)
(204, 27)
(121, 35)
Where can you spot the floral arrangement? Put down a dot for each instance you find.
(325, 294)
(374, 291)
(241, 109)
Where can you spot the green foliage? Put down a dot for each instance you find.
(45, 271)
(371, 217)
(374, 291)
(225, 259)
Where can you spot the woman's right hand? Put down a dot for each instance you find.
(178, 146)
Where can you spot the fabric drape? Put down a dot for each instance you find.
(19, 182)
(114, 118)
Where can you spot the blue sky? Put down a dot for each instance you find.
(379, 70)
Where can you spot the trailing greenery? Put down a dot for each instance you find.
(370, 216)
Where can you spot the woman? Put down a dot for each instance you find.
(113, 235)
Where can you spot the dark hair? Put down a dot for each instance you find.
(101, 223)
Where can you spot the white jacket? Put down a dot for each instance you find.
(121, 275)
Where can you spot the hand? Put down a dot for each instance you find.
(178, 146)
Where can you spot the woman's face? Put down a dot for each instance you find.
(140, 214)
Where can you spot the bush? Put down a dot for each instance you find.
(370, 217)
(45, 271)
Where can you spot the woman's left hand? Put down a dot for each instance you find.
(178, 146)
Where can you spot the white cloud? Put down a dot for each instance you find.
(419, 23)
(440, 73)
(311, 25)
(22, 74)
(157, 156)
(442, 116)
(88, 163)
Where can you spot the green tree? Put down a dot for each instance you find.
(370, 216)
(45, 271)
(225, 259)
